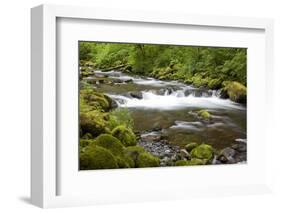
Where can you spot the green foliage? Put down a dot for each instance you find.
(214, 83)
(109, 142)
(125, 135)
(96, 157)
(236, 91)
(147, 160)
(203, 151)
(120, 116)
(190, 146)
(85, 50)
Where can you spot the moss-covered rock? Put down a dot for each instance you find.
(147, 160)
(93, 122)
(111, 143)
(192, 162)
(125, 135)
(96, 99)
(203, 151)
(204, 114)
(87, 136)
(125, 162)
(96, 157)
(190, 146)
(84, 142)
(236, 91)
(133, 152)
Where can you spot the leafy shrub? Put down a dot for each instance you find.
(120, 116)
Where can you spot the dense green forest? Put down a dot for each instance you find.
(200, 66)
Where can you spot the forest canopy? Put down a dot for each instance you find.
(200, 66)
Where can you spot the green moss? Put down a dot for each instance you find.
(125, 135)
(236, 91)
(192, 162)
(203, 151)
(125, 162)
(96, 157)
(190, 146)
(181, 163)
(133, 152)
(147, 160)
(204, 114)
(95, 99)
(87, 136)
(93, 122)
(214, 83)
(84, 142)
(111, 143)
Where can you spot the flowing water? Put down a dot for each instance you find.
(169, 107)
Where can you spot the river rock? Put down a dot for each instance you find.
(150, 137)
(136, 94)
(184, 154)
(117, 81)
(240, 147)
(128, 81)
(221, 93)
(227, 155)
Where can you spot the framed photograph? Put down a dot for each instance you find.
(129, 106)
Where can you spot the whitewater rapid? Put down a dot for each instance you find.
(176, 96)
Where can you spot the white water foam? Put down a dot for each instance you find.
(175, 100)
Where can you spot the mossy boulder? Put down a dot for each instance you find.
(188, 147)
(133, 153)
(96, 99)
(125, 135)
(192, 162)
(111, 143)
(96, 157)
(125, 162)
(93, 122)
(87, 136)
(147, 160)
(236, 91)
(204, 114)
(84, 142)
(203, 151)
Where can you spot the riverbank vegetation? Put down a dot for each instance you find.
(208, 67)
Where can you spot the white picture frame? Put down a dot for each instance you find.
(44, 154)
